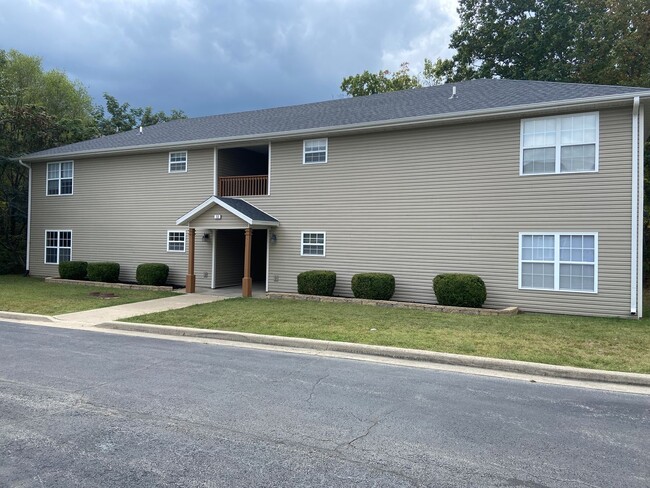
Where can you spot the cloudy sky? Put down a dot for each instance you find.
(215, 56)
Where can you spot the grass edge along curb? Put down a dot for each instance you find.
(394, 304)
(508, 365)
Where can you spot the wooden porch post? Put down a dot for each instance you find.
(190, 279)
(247, 281)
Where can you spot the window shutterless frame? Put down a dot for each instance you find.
(59, 178)
(314, 151)
(176, 241)
(177, 162)
(58, 246)
(557, 144)
(312, 243)
(556, 261)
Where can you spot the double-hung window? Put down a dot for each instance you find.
(175, 241)
(59, 178)
(562, 144)
(313, 244)
(58, 246)
(559, 261)
(178, 162)
(314, 151)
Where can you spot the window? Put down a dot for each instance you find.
(313, 244)
(59, 178)
(178, 162)
(565, 144)
(58, 246)
(558, 261)
(175, 241)
(314, 151)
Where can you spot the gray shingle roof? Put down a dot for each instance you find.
(432, 101)
(247, 209)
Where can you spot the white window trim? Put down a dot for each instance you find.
(47, 179)
(304, 150)
(169, 162)
(558, 146)
(302, 248)
(557, 262)
(176, 231)
(58, 231)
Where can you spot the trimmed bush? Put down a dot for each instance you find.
(317, 282)
(152, 274)
(373, 286)
(73, 270)
(459, 290)
(108, 272)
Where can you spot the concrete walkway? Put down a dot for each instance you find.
(118, 312)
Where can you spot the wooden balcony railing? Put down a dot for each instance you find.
(239, 186)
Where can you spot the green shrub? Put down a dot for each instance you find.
(317, 282)
(108, 272)
(152, 274)
(459, 290)
(73, 270)
(373, 286)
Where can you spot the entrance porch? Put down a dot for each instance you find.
(240, 242)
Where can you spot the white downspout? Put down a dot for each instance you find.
(641, 146)
(29, 214)
(634, 283)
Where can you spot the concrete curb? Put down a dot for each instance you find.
(536, 369)
(26, 316)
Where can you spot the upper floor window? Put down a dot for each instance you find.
(59, 178)
(175, 241)
(314, 151)
(562, 144)
(178, 162)
(313, 244)
(558, 261)
(58, 246)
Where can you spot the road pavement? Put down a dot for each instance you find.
(81, 408)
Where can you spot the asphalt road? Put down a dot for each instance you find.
(82, 408)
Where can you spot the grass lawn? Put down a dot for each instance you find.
(589, 342)
(33, 295)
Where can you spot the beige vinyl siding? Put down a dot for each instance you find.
(206, 220)
(416, 203)
(121, 210)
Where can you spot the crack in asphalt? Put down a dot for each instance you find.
(313, 388)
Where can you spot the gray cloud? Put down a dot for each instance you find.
(209, 57)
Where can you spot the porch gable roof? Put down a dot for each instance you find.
(238, 207)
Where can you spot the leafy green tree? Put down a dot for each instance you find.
(368, 83)
(587, 41)
(121, 117)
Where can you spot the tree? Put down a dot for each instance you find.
(122, 117)
(368, 83)
(587, 41)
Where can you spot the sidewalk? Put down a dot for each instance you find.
(118, 312)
